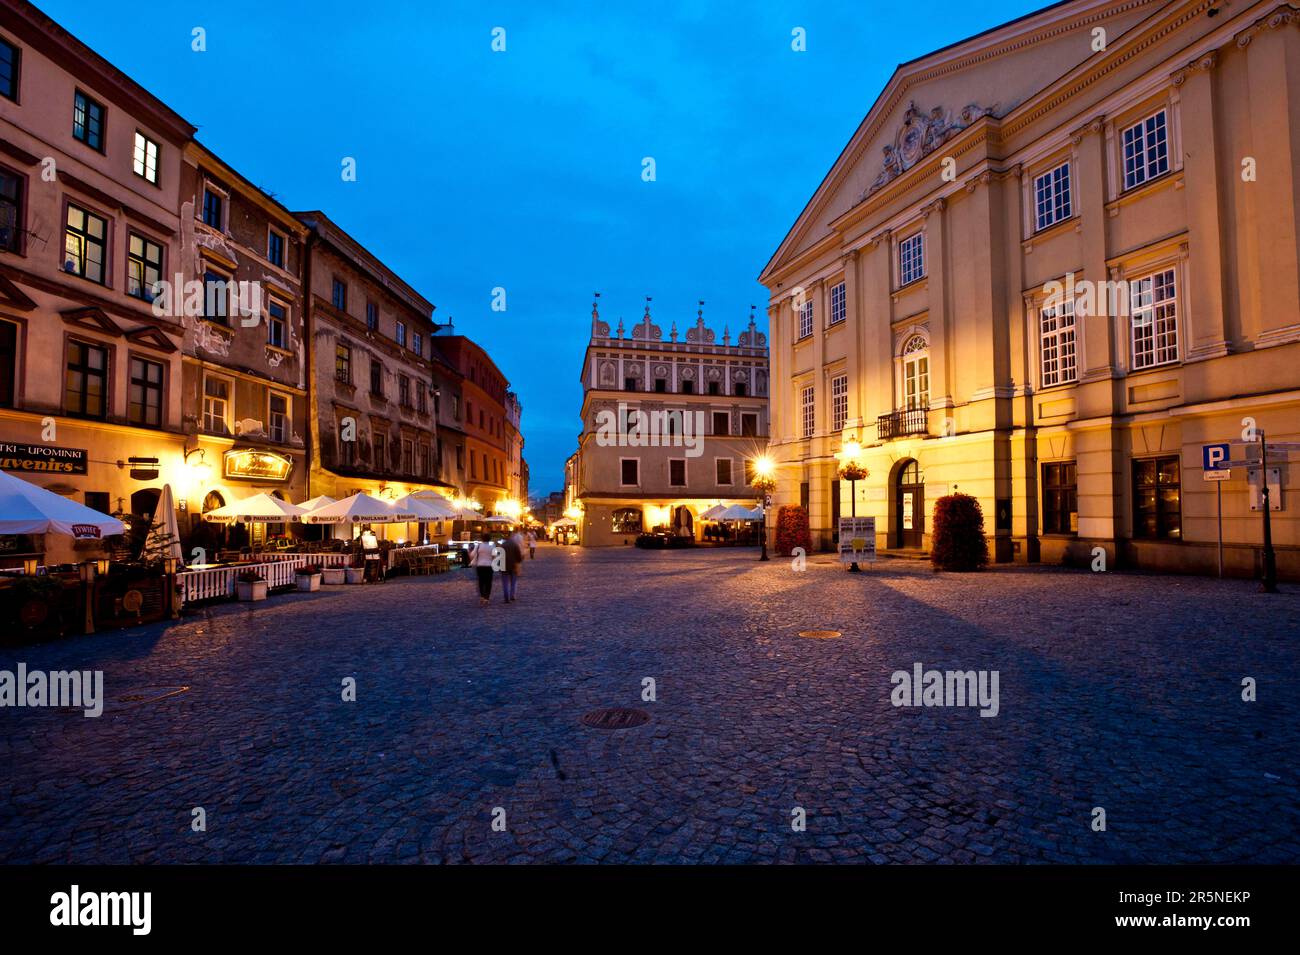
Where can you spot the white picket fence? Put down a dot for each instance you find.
(218, 583)
(323, 560)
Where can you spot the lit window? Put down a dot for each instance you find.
(805, 318)
(278, 424)
(85, 244)
(144, 160)
(916, 373)
(143, 267)
(808, 407)
(216, 405)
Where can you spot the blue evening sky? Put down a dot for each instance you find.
(523, 169)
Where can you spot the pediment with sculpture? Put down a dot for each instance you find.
(921, 134)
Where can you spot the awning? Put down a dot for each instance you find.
(359, 509)
(28, 509)
(259, 509)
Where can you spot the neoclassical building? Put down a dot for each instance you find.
(1053, 262)
(669, 428)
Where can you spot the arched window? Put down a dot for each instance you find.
(213, 501)
(916, 372)
(627, 520)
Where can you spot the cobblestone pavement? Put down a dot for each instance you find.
(1116, 691)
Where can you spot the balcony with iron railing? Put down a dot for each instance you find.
(900, 423)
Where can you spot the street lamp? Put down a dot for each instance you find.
(764, 483)
(852, 470)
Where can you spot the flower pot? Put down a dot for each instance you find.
(333, 575)
(307, 582)
(250, 590)
(354, 575)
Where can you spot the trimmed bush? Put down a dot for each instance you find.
(792, 530)
(958, 541)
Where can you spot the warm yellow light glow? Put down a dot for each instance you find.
(764, 466)
(509, 507)
(851, 449)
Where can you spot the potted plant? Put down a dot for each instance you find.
(333, 575)
(958, 542)
(354, 575)
(250, 585)
(308, 577)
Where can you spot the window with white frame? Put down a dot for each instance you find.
(805, 318)
(839, 303)
(144, 158)
(278, 425)
(911, 258)
(839, 402)
(216, 405)
(1052, 197)
(1153, 313)
(1146, 150)
(916, 373)
(807, 404)
(1056, 327)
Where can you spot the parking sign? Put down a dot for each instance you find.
(1214, 457)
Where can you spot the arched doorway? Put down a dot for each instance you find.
(909, 505)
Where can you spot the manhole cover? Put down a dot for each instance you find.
(615, 718)
(819, 634)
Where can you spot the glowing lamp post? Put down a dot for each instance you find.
(852, 470)
(764, 483)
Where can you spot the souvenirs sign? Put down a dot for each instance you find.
(46, 458)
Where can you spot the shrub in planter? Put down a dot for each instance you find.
(307, 577)
(792, 530)
(958, 542)
(250, 585)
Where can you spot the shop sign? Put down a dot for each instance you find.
(44, 458)
(248, 464)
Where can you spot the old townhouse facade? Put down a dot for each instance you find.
(517, 468)
(244, 367)
(669, 428)
(483, 394)
(1046, 271)
(90, 368)
(372, 415)
(448, 408)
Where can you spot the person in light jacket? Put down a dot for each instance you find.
(481, 559)
(532, 544)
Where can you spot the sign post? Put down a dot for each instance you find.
(1216, 467)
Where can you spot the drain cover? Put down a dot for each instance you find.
(819, 634)
(615, 718)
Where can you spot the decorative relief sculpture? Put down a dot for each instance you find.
(920, 135)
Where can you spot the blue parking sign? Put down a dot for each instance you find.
(1214, 457)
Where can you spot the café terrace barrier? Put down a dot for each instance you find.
(218, 583)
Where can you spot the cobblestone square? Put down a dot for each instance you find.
(1116, 691)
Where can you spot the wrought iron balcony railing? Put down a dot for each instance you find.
(896, 424)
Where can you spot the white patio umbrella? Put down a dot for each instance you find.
(164, 538)
(498, 519)
(738, 512)
(712, 513)
(28, 509)
(359, 509)
(320, 500)
(565, 522)
(259, 509)
(427, 508)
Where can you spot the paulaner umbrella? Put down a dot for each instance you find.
(28, 509)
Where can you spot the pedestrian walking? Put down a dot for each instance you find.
(514, 554)
(532, 544)
(480, 558)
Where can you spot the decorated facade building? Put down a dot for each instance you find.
(1054, 262)
(244, 371)
(91, 168)
(670, 427)
(483, 397)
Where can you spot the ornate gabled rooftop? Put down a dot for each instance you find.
(699, 337)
